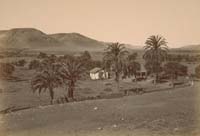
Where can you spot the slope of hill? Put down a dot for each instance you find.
(76, 41)
(133, 47)
(190, 47)
(26, 38)
(33, 39)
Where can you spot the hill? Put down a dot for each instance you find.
(78, 42)
(190, 47)
(29, 38)
(33, 39)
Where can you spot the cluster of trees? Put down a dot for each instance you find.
(156, 53)
(183, 57)
(120, 61)
(20, 63)
(66, 70)
(58, 72)
(62, 71)
(173, 70)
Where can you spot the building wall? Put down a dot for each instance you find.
(94, 76)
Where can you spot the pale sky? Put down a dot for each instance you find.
(126, 21)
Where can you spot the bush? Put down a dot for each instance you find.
(22, 63)
(42, 55)
(175, 69)
(6, 69)
(197, 71)
(108, 90)
(34, 64)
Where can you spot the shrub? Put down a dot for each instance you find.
(197, 71)
(22, 63)
(6, 69)
(42, 55)
(34, 64)
(175, 69)
(108, 90)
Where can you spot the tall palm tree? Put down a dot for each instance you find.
(72, 71)
(48, 78)
(155, 52)
(116, 54)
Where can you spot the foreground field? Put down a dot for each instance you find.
(174, 112)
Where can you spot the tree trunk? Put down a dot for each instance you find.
(156, 68)
(117, 80)
(157, 77)
(71, 89)
(51, 92)
(116, 76)
(172, 80)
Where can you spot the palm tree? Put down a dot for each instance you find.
(155, 52)
(48, 78)
(116, 54)
(72, 71)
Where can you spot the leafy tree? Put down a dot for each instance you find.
(52, 58)
(72, 71)
(150, 67)
(87, 59)
(86, 56)
(42, 55)
(48, 78)
(174, 69)
(132, 57)
(131, 66)
(6, 69)
(34, 64)
(197, 71)
(21, 63)
(131, 69)
(155, 52)
(96, 63)
(115, 54)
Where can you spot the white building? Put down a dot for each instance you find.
(98, 73)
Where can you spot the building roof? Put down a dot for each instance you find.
(95, 70)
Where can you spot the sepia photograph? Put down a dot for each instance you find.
(99, 67)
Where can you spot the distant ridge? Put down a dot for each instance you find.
(76, 41)
(26, 38)
(190, 47)
(34, 39)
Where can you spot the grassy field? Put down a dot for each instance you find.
(154, 114)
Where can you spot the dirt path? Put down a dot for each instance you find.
(159, 113)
